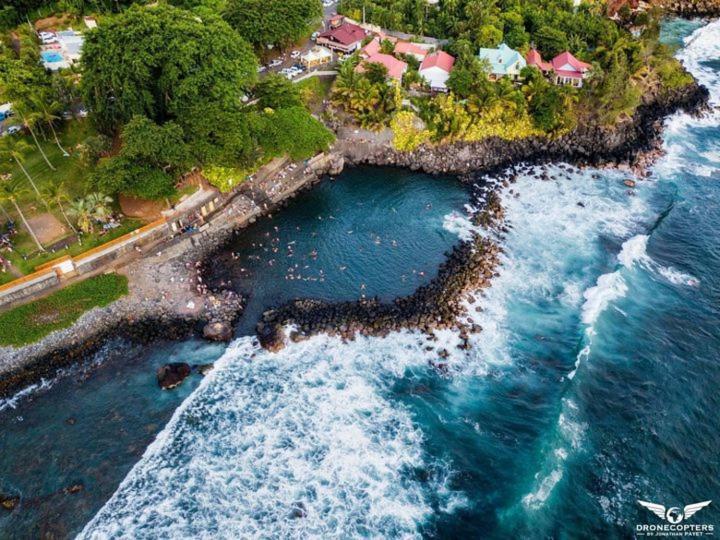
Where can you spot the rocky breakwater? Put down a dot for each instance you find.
(588, 144)
(470, 266)
(693, 8)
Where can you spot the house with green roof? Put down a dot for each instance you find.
(503, 62)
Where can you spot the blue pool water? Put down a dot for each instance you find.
(51, 56)
(594, 382)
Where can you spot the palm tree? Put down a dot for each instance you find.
(29, 121)
(13, 147)
(11, 190)
(57, 193)
(49, 116)
(99, 203)
(83, 214)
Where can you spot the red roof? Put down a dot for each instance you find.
(534, 58)
(372, 48)
(406, 47)
(439, 59)
(395, 67)
(345, 34)
(566, 58)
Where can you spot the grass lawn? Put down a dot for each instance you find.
(26, 257)
(72, 170)
(31, 322)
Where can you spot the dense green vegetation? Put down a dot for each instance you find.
(272, 22)
(147, 78)
(625, 67)
(33, 321)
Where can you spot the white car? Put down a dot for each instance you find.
(275, 63)
(260, 69)
(295, 54)
(12, 130)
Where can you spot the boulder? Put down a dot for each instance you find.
(218, 331)
(172, 375)
(9, 502)
(203, 369)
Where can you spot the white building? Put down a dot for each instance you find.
(435, 69)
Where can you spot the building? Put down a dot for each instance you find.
(534, 59)
(569, 70)
(371, 48)
(416, 50)
(435, 69)
(342, 36)
(395, 68)
(315, 57)
(503, 62)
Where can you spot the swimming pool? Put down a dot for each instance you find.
(51, 56)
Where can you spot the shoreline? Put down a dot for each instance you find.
(169, 306)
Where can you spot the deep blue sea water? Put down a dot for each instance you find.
(594, 383)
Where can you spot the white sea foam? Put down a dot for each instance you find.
(269, 436)
(677, 277)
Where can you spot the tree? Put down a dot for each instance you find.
(58, 193)
(277, 92)
(290, 131)
(83, 214)
(272, 22)
(551, 41)
(11, 190)
(121, 175)
(14, 148)
(164, 63)
(100, 204)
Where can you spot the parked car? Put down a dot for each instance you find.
(12, 130)
(275, 63)
(295, 54)
(314, 35)
(260, 69)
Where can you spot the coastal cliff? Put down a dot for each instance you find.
(589, 144)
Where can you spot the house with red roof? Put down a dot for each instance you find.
(569, 70)
(395, 68)
(416, 50)
(435, 69)
(371, 48)
(534, 59)
(342, 36)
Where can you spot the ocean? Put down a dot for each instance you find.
(593, 383)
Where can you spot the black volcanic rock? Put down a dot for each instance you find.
(172, 375)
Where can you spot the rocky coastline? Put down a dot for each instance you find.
(588, 145)
(693, 8)
(470, 266)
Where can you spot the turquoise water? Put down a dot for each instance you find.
(369, 232)
(593, 384)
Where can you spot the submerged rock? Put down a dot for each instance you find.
(203, 369)
(218, 331)
(75, 488)
(172, 375)
(9, 502)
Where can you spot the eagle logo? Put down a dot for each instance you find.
(674, 514)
